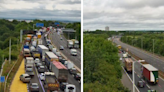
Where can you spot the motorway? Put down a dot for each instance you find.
(56, 40)
(71, 79)
(153, 60)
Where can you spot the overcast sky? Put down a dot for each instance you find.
(41, 9)
(124, 14)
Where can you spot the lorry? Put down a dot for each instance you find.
(30, 36)
(61, 72)
(128, 64)
(26, 46)
(125, 55)
(42, 50)
(119, 46)
(29, 61)
(70, 66)
(38, 35)
(28, 39)
(69, 44)
(150, 73)
(51, 83)
(26, 52)
(50, 57)
(36, 54)
(39, 41)
(34, 43)
(75, 43)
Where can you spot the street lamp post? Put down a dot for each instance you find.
(133, 78)
(153, 46)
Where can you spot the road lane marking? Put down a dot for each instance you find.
(129, 78)
(148, 86)
(64, 55)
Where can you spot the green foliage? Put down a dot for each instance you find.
(102, 69)
(77, 27)
(145, 40)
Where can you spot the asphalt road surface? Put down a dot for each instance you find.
(71, 79)
(56, 40)
(137, 78)
(150, 59)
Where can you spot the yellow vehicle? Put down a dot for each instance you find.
(119, 46)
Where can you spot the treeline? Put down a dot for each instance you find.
(146, 41)
(11, 29)
(77, 27)
(102, 69)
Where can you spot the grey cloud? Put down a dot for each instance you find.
(43, 14)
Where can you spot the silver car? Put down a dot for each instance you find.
(25, 78)
(34, 87)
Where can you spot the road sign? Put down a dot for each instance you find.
(2, 79)
(39, 24)
(57, 23)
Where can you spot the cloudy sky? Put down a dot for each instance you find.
(124, 14)
(41, 9)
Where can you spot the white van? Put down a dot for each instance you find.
(74, 52)
(70, 88)
(34, 43)
(54, 50)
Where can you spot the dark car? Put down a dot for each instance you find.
(77, 76)
(62, 61)
(41, 69)
(72, 71)
(61, 47)
(38, 64)
(34, 87)
(140, 84)
(63, 86)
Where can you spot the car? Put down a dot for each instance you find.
(34, 87)
(63, 85)
(41, 69)
(61, 38)
(140, 84)
(73, 71)
(42, 77)
(37, 60)
(61, 47)
(25, 78)
(62, 61)
(77, 76)
(151, 91)
(38, 64)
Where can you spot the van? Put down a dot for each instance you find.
(25, 78)
(29, 68)
(54, 50)
(32, 48)
(70, 88)
(73, 52)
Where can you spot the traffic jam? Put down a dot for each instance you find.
(43, 60)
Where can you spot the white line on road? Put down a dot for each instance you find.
(129, 78)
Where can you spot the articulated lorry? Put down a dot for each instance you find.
(75, 43)
(128, 64)
(150, 73)
(69, 44)
(51, 84)
(61, 72)
(50, 57)
(42, 50)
